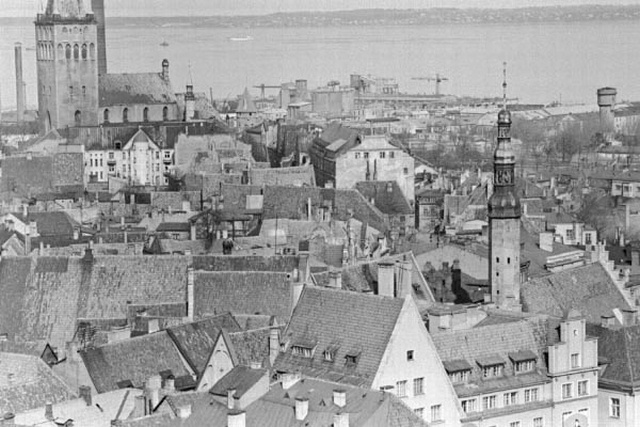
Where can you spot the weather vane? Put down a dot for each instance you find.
(504, 85)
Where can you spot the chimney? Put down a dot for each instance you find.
(405, 268)
(386, 282)
(189, 104)
(139, 407)
(546, 242)
(335, 279)
(231, 393)
(169, 383)
(85, 393)
(274, 344)
(41, 249)
(152, 388)
(607, 320)
(302, 408)
(33, 227)
(25, 211)
(192, 231)
(629, 317)
(48, 411)
(341, 420)
(236, 419)
(340, 398)
(184, 411)
(76, 233)
(622, 241)
(165, 69)
(191, 278)
(19, 83)
(303, 267)
(122, 221)
(289, 380)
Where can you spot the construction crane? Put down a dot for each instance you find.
(437, 78)
(263, 86)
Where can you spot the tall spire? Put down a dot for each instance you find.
(504, 85)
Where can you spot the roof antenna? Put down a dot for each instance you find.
(190, 75)
(504, 85)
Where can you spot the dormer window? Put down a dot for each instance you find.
(523, 361)
(303, 349)
(492, 366)
(351, 359)
(329, 354)
(459, 371)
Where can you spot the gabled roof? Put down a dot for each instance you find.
(589, 289)
(621, 350)
(334, 132)
(386, 195)
(345, 324)
(244, 292)
(196, 340)
(240, 379)
(251, 346)
(133, 360)
(27, 382)
(128, 89)
(140, 136)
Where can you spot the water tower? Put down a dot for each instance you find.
(606, 101)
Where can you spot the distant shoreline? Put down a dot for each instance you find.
(382, 17)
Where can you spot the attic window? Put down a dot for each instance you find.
(523, 361)
(329, 355)
(351, 359)
(303, 350)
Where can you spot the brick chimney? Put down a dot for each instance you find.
(48, 411)
(231, 395)
(191, 278)
(335, 279)
(274, 344)
(152, 391)
(289, 380)
(302, 408)
(236, 419)
(340, 398)
(386, 279)
(184, 411)
(85, 393)
(341, 419)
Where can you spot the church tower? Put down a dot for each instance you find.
(504, 220)
(66, 52)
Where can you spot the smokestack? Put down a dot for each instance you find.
(19, 83)
(98, 13)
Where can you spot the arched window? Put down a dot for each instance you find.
(84, 51)
(78, 117)
(145, 114)
(125, 115)
(60, 51)
(64, 30)
(92, 50)
(67, 51)
(105, 115)
(76, 51)
(165, 113)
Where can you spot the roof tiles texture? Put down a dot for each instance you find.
(251, 346)
(386, 195)
(345, 323)
(621, 349)
(138, 88)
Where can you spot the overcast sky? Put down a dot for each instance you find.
(28, 8)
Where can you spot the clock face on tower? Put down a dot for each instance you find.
(504, 177)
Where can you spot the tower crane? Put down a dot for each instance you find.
(263, 86)
(437, 78)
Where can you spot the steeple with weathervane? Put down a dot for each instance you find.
(504, 218)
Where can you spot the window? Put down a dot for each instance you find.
(514, 424)
(406, 171)
(489, 402)
(459, 376)
(410, 356)
(76, 51)
(492, 371)
(84, 51)
(357, 154)
(71, 92)
(511, 398)
(469, 405)
(583, 388)
(531, 395)
(349, 359)
(391, 154)
(419, 412)
(366, 155)
(60, 51)
(566, 415)
(92, 50)
(145, 114)
(418, 386)
(401, 387)
(436, 413)
(328, 355)
(105, 115)
(567, 391)
(78, 118)
(165, 113)
(570, 235)
(306, 352)
(538, 422)
(614, 407)
(525, 366)
(125, 115)
(84, 91)
(575, 360)
(67, 51)
(382, 154)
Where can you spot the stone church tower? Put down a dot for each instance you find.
(504, 222)
(67, 63)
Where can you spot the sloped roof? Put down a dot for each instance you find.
(135, 360)
(243, 292)
(26, 382)
(621, 349)
(277, 263)
(67, 9)
(588, 289)
(196, 340)
(295, 175)
(348, 323)
(31, 175)
(135, 88)
(334, 132)
(240, 379)
(386, 195)
(251, 346)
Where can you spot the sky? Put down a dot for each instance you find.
(28, 8)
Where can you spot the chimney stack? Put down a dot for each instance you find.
(19, 83)
(236, 419)
(231, 393)
(386, 279)
(340, 398)
(48, 411)
(85, 393)
(302, 408)
(169, 383)
(341, 420)
(289, 380)
(335, 279)
(190, 293)
(153, 385)
(184, 411)
(274, 344)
